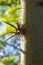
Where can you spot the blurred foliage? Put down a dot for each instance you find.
(10, 11)
(8, 61)
(2, 44)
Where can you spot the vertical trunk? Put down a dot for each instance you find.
(33, 45)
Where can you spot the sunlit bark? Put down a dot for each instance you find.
(32, 16)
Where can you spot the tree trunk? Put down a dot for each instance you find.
(32, 41)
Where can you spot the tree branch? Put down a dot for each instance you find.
(9, 37)
(11, 25)
(14, 47)
(5, 4)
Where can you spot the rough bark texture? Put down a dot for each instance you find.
(33, 45)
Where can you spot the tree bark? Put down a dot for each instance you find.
(32, 41)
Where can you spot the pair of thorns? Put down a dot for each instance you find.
(19, 30)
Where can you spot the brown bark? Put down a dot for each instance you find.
(33, 45)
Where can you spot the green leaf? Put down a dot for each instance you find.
(2, 44)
